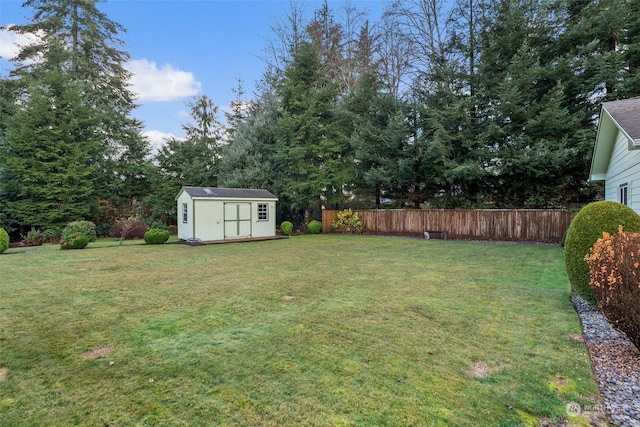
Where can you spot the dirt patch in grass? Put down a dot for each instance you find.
(4, 374)
(545, 422)
(559, 382)
(290, 298)
(576, 337)
(482, 369)
(97, 352)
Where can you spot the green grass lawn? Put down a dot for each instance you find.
(314, 330)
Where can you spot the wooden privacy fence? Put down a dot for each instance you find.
(530, 225)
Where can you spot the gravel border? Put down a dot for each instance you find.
(615, 363)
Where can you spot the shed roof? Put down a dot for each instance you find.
(626, 113)
(229, 193)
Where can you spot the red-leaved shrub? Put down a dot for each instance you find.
(132, 231)
(614, 276)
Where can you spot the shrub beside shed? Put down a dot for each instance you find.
(213, 214)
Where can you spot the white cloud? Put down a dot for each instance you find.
(161, 84)
(11, 42)
(157, 139)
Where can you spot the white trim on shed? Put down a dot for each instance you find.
(213, 214)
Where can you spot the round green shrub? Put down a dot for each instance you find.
(87, 228)
(75, 241)
(4, 240)
(156, 236)
(585, 229)
(286, 228)
(314, 227)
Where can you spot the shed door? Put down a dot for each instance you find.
(237, 220)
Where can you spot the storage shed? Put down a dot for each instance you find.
(616, 156)
(211, 214)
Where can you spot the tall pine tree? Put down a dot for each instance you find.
(379, 132)
(311, 156)
(47, 154)
(247, 162)
(92, 55)
(194, 160)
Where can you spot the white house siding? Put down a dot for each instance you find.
(634, 194)
(623, 168)
(185, 229)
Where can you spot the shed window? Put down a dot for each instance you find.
(623, 194)
(185, 210)
(263, 212)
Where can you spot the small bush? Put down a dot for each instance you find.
(585, 229)
(78, 240)
(348, 222)
(314, 227)
(34, 237)
(614, 273)
(286, 228)
(87, 228)
(52, 234)
(109, 213)
(157, 225)
(103, 229)
(4, 240)
(156, 236)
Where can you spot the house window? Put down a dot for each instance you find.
(185, 217)
(623, 194)
(263, 212)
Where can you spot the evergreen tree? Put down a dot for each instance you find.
(46, 156)
(536, 147)
(92, 56)
(247, 161)
(631, 86)
(602, 45)
(311, 156)
(7, 109)
(132, 166)
(239, 109)
(446, 134)
(194, 161)
(378, 128)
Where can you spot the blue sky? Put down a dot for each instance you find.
(182, 48)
